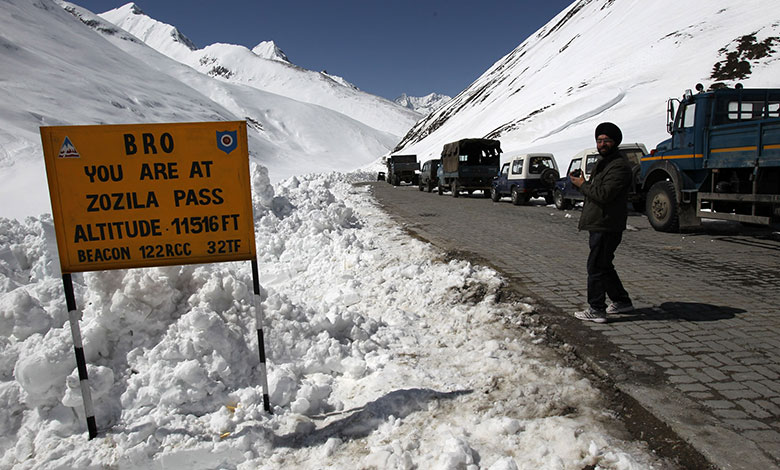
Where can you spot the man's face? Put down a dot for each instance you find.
(604, 144)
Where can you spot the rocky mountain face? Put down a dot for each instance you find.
(423, 104)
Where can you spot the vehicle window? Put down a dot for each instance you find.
(739, 110)
(574, 165)
(489, 157)
(689, 115)
(590, 163)
(517, 167)
(747, 106)
(773, 110)
(539, 164)
(505, 169)
(634, 156)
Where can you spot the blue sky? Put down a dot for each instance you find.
(384, 47)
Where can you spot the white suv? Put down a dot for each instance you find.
(525, 176)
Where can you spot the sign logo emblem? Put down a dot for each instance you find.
(227, 141)
(68, 150)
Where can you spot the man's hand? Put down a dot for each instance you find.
(576, 180)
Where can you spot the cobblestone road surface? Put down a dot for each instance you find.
(702, 350)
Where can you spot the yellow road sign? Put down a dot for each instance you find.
(139, 195)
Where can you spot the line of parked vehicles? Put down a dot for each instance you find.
(722, 162)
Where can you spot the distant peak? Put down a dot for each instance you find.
(269, 50)
(422, 104)
(134, 9)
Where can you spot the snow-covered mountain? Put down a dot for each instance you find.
(423, 104)
(269, 50)
(264, 71)
(602, 60)
(85, 70)
(382, 352)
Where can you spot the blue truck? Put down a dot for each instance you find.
(722, 161)
(469, 165)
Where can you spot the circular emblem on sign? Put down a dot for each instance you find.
(227, 140)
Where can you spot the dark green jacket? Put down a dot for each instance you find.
(606, 195)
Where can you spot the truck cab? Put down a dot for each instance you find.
(721, 162)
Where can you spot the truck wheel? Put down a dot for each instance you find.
(440, 189)
(454, 188)
(560, 202)
(396, 180)
(517, 198)
(494, 194)
(430, 187)
(662, 207)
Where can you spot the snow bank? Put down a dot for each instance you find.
(382, 353)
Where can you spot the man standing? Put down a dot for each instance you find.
(604, 217)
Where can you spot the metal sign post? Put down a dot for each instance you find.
(260, 320)
(81, 363)
(143, 195)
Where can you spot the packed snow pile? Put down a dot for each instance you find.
(382, 353)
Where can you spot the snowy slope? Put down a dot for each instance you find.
(70, 67)
(382, 352)
(237, 64)
(603, 60)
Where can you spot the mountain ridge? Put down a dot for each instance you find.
(551, 91)
(237, 64)
(423, 104)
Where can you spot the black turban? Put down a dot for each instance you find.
(610, 130)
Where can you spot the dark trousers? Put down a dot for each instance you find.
(603, 280)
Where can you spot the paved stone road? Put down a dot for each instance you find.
(702, 350)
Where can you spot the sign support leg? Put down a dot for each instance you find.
(81, 362)
(260, 320)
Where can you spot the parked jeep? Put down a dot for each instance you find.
(429, 178)
(566, 195)
(526, 176)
